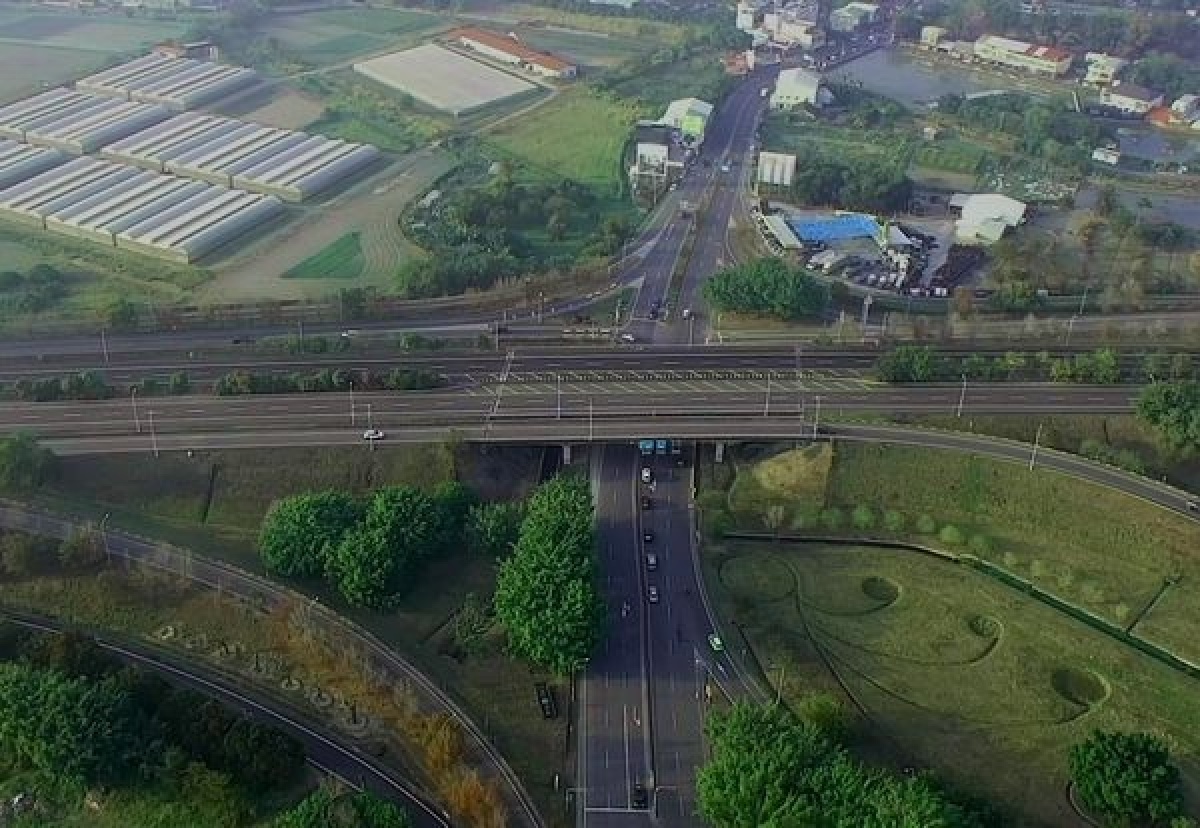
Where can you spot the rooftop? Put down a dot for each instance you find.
(513, 46)
(1135, 92)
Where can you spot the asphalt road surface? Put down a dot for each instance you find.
(324, 751)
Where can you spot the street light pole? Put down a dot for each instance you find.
(1037, 441)
(591, 422)
(137, 423)
(352, 415)
(817, 419)
(691, 330)
(558, 390)
(104, 537)
(767, 403)
(1070, 328)
(962, 397)
(799, 385)
(153, 435)
(104, 344)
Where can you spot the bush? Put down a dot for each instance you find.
(951, 535)
(893, 521)
(926, 525)
(827, 715)
(863, 517)
(832, 518)
(980, 544)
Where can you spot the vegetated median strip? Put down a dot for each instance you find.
(216, 683)
(257, 591)
(1160, 654)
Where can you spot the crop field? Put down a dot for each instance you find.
(443, 79)
(948, 669)
(85, 32)
(343, 259)
(698, 77)
(1098, 549)
(576, 135)
(26, 68)
(586, 48)
(335, 36)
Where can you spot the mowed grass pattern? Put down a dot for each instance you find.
(956, 672)
(1090, 545)
(577, 135)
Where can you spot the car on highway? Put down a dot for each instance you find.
(725, 167)
(652, 594)
(1193, 505)
(627, 337)
(647, 476)
(641, 798)
(651, 562)
(373, 434)
(647, 537)
(715, 642)
(647, 503)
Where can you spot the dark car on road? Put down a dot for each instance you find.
(641, 798)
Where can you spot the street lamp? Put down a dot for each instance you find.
(153, 435)
(962, 397)
(137, 424)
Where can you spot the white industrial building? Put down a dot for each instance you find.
(75, 122)
(852, 15)
(138, 210)
(798, 87)
(291, 165)
(1102, 69)
(178, 83)
(985, 217)
(21, 161)
(776, 168)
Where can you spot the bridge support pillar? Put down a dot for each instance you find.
(566, 454)
(720, 455)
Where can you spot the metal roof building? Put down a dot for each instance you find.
(20, 161)
(75, 122)
(291, 165)
(178, 83)
(147, 212)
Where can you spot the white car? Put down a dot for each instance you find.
(647, 476)
(373, 434)
(628, 337)
(652, 594)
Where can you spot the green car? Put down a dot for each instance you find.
(716, 643)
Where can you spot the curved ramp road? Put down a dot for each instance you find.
(260, 592)
(325, 752)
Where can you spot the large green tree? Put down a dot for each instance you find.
(375, 562)
(1173, 408)
(1127, 778)
(768, 286)
(325, 808)
(300, 532)
(546, 593)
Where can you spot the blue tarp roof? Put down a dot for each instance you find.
(834, 229)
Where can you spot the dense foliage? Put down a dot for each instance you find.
(768, 286)
(1126, 778)
(1173, 408)
(546, 592)
(329, 379)
(370, 551)
(325, 808)
(24, 463)
(913, 363)
(869, 183)
(770, 768)
(1166, 73)
(34, 291)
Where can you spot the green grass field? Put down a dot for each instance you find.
(588, 50)
(952, 670)
(576, 135)
(339, 35)
(343, 259)
(699, 77)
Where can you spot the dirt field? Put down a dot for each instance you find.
(370, 207)
(275, 105)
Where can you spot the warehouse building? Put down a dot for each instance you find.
(509, 49)
(1041, 60)
(688, 116)
(177, 83)
(852, 15)
(75, 122)
(796, 88)
(19, 162)
(985, 217)
(291, 165)
(139, 210)
(776, 169)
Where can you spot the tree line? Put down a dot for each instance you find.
(372, 550)
(920, 363)
(871, 184)
(238, 383)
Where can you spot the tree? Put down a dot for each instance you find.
(24, 465)
(767, 286)
(453, 502)
(1127, 778)
(375, 561)
(493, 528)
(82, 550)
(326, 808)
(909, 363)
(1173, 409)
(546, 594)
(300, 532)
(121, 315)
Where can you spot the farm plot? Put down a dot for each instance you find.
(88, 33)
(335, 36)
(443, 79)
(948, 669)
(26, 68)
(586, 48)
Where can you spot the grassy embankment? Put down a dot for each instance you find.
(213, 504)
(955, 670)
(343, 259)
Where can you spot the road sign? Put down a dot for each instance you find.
(646, 447)
(660, 446)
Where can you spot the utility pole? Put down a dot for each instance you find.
(104, 537)
(867, 300)
(558, 389)
(799, 384)
(962, 397)
(1037, 441)
(767, 403)
(153, 435)
(352, 419)
(104, 344)
(1070, 328)
(300, 325)
(591, 422)
(817, 419)
(137, 424)
(691, 329)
